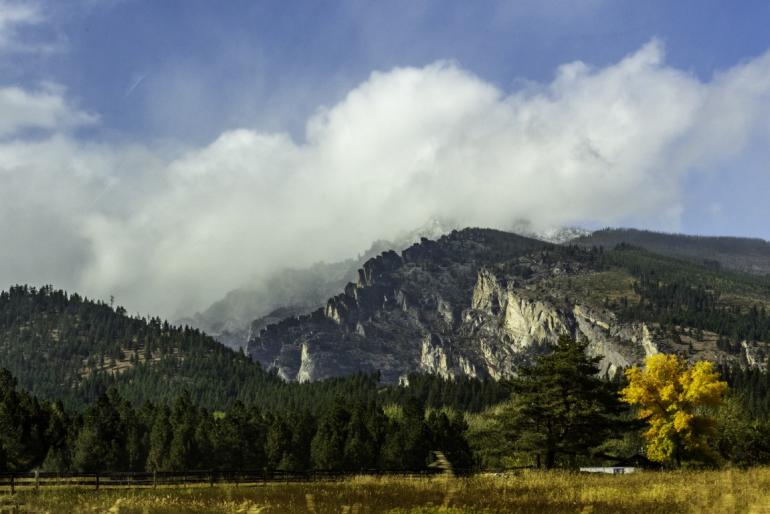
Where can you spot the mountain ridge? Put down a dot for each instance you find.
(464, 306)
(244, 311)
(475, 302)
(750, 255)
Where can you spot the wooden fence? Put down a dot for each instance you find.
(10, 482)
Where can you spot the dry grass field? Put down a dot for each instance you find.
(728, 491)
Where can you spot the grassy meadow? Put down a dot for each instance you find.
(728, 491)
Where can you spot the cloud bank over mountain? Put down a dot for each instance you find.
(169, 230)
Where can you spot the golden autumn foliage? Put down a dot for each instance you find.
(671, 396)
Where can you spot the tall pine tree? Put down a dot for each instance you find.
(561, 408)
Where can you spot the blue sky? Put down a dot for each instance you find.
(269, 64)
(180, 148)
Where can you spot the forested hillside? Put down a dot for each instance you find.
(65, 347)
(674, 292)
(71, 348)
(733, 253)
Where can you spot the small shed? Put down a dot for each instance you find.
(617, 470)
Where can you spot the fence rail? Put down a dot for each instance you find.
(10, 482)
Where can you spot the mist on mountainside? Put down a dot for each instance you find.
(245, 311)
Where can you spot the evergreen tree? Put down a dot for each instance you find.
(23, 423)
(238, 438)
(448, 435)
(183, 450)
(277, 444)
(160, 440)
(12, 444)
(561, 408)
(360, 451)
(739, 438)
(101, 442)
(299, 456)
(58, 458)
(407, 440)
(328, 447)
(136, 437)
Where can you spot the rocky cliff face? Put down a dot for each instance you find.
(244, 312)
(476, 303)
(511, 324)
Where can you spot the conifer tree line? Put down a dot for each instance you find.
(751, 387)
(112, 434)
(560, 414)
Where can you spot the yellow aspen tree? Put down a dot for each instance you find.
(671, 396)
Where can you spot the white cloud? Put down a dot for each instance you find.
(12, 15)
(45, 109)
(23, 28)
(605, 146)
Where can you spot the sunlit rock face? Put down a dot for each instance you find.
(477, 303)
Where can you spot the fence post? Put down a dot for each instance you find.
(211, 478)
(97, 481)
(154, 479)
(13, 484)
(37, 480)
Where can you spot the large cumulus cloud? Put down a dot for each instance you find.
(170, 231)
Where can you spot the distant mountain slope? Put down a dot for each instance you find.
(557, 235)
(248, 309)
(476, 302)
(481, 302)
(63, 346)
(299, 290)
(736, 253)
(365, 329)
(245, 311)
